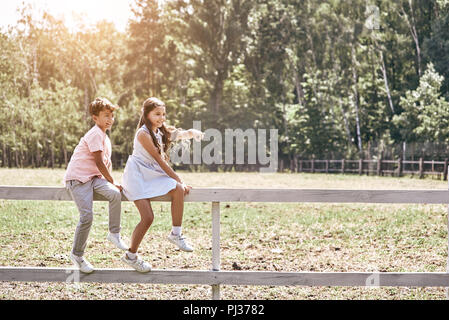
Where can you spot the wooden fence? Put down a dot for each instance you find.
(378, 167)
(216, 277)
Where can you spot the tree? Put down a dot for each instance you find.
(146, 36)
(436, 47)
(215, 35)
(426, 112)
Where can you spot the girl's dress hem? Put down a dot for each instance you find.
(143, 178)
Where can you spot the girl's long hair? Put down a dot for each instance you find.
(149, 105)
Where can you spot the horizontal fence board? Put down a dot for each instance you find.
(70, 275)
(255, 195)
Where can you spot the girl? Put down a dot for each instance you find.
(147, 174)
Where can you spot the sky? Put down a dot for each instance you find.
(92, 11)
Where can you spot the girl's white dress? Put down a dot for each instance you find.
(143, 177)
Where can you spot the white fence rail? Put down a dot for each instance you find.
(215, 277)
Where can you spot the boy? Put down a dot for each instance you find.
(89, 172)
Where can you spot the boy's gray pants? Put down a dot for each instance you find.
(83, 195)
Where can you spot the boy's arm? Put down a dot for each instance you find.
(98, 156)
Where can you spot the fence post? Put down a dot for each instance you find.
(300, 165)
(421, 168)
(216, 246)
(327, 166)
(445, 169)
(343, 166)
(360, 166)
(313, 165)
(400, 167)
(379, 166)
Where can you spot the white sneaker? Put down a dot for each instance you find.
(180, 241)
(117, 241)
(138, 264)
(81, 263)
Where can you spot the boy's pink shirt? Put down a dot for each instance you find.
(82, 165)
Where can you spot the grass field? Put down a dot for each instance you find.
(254, 236)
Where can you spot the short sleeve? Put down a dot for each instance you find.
(95, 142)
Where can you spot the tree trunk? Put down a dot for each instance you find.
(52, 151)
(4, 161)
(216, 96)
(9, 158)
(412, 26)
(299, 90)
(16, 157)
(387, 87)
(38, 155)
(356, 99)
(345, 118)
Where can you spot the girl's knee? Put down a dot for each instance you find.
(179, 190)
(147, 221)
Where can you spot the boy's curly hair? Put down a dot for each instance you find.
(100, 104)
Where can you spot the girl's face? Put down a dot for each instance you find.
(157, 117)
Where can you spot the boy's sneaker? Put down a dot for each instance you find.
(117, 241)
(82, 264)
(180, 241)
(138, 264)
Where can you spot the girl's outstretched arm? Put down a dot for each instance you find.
(179, 134)
(146, 141)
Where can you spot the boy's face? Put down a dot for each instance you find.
(104, 120)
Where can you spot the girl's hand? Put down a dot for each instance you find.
(118, 187)
(186, 189)
(196, 134)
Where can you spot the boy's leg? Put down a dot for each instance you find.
(113, 195)
(82, 194)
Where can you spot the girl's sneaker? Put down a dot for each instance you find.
(138, 264)
(180, 241)
(82, 264)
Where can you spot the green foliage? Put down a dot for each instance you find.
(334, 77)
(426, 113)
(437, 47)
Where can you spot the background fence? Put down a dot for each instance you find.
(378, 167)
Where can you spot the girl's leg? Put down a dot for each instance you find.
(177, 205)
(146, 219)
(177, 209)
